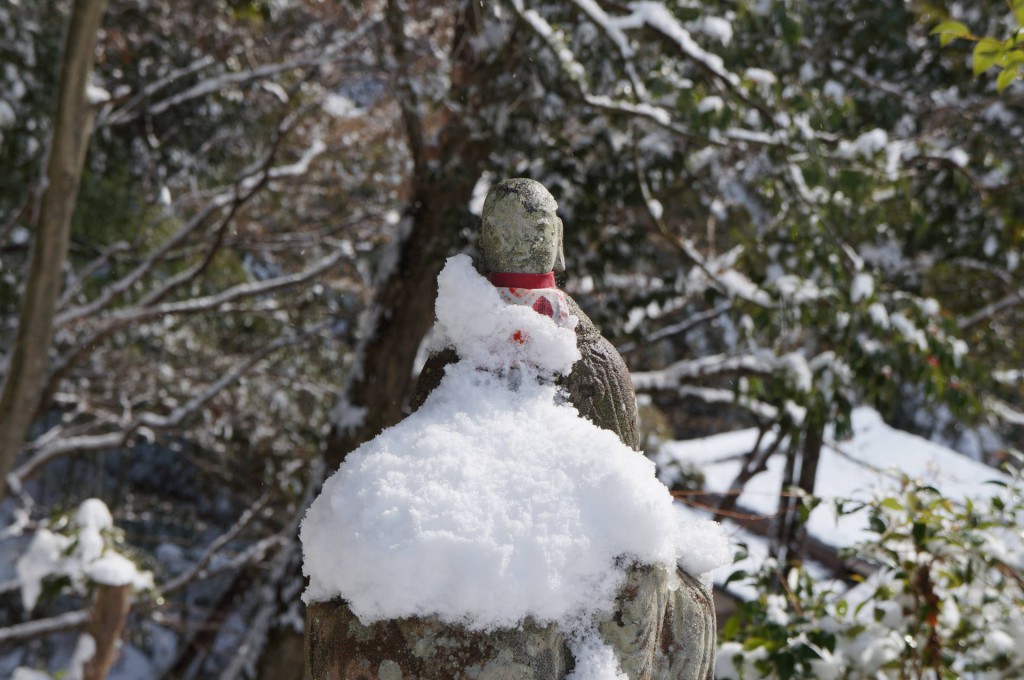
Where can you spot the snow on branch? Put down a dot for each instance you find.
(78, 281)
(199, 568)
(246, 185)
(722, 273)
(657, 16)
(207, 303)
(1009, 377)
(152, 88)
(680, 328)
(1005, 412)
(717, 395)
(61, 446)
(54, 624)
(115, 290)
(618, 38)
(655, 114)
(237, 371)
(574, 70)
(695, 369)
(316, 57)
(987, 312)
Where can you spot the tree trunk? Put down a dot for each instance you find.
(72, 126)
(445, 172)
(801, 472)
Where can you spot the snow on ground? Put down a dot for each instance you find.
(872, 461)
(496, 501)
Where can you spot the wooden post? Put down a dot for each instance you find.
(109, 613)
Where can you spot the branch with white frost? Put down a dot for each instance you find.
(1005, 412)
(680, 328)
(717, 395)
(690, 370)
(317, 57)
(58, 446)
(1010, 301)
(209, 303)
(20, 632)
(729, 281)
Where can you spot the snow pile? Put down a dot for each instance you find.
(495, 501)
(489, 334)
(82, 554)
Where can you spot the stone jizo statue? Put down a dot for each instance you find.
(663, 624)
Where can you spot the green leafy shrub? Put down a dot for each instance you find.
(943, 598)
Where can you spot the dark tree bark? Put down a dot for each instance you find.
(73, 118)
(445, 173)
(801, 472)
(446, 166)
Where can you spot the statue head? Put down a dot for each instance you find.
(520, 231)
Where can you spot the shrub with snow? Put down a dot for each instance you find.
(80, 549)
(946, 598)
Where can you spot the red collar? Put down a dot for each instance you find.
(517, 280)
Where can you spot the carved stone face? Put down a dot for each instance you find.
(520, 231)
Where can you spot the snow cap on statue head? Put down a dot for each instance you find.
(520, 231)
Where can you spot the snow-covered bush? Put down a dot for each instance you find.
(944, 597)
(75, 551)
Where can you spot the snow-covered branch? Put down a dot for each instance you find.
(618, 38)
(61, 446)
(118, 288)
(208, 303)
(152, 88)
(690, 370)
(726, 279)
(317, 57)
(33, 629)
(1005, 412)
(245, 187)
(656, 16)
(1014, 299)
(680, 328)
(717, 395)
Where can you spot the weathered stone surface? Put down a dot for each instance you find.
(520, 230)
(662, 628)
(341, 647)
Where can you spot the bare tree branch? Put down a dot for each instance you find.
(987, 312)
(197, 570)
(55, 624)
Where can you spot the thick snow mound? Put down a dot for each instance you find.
(484, 507)
(491, 503)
